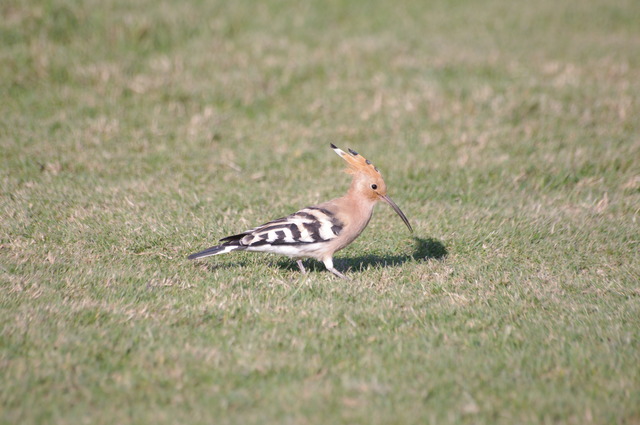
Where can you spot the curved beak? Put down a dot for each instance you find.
(397, 210)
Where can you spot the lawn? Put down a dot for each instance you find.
(136, 133)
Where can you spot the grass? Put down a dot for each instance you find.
(135, 133)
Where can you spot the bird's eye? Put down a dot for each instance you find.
(374, 186)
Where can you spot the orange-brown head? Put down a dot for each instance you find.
(367, 180)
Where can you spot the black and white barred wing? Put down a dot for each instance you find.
(297, 235)
(308, 226)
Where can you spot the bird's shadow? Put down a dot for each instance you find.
(424, 249)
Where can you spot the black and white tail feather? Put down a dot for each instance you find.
(297, 235)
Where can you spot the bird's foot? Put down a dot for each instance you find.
(301, 266)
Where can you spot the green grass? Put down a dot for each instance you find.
(135, 133)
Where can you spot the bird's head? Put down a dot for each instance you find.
(368, 180)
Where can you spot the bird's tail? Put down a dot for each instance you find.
(215, 250)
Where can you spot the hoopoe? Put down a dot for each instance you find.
(320, 230)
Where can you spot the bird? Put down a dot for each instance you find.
(318, 231)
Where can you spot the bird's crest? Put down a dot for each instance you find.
(357, 163)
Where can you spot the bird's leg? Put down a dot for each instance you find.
(328, 263)
(337, 273)
(301, 266)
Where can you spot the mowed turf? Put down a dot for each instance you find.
(135, 133)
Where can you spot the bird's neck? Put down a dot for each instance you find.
(360, 205)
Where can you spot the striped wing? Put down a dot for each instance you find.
(308, 226)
